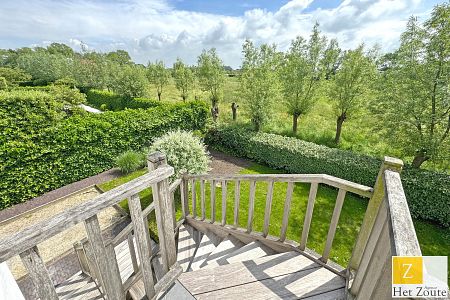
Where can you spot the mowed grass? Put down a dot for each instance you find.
(433, 239)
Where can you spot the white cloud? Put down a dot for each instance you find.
(153, 29)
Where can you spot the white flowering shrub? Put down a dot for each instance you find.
(185, 152)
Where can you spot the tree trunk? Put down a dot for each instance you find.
(419, 159)
(215, 113)
(159, 96)
(339, 122)
(295, 123)
(184, 98)
(234, 108)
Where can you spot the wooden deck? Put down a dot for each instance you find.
(287, 275)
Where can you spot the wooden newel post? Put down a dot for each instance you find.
(164, 213)
(389, 163)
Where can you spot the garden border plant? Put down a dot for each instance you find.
(428, 192)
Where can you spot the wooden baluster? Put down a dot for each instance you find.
(237, 197)
(224, 203)
(213, 201)
(287, 209)
(251, 206)
(184, 190)
(334, 221)
(309, 214)
(164, 213)
(202, 198)
(194, 199)
(38, 274)
(142, 240)
(110, 277)
(132, 253)
(268, 209)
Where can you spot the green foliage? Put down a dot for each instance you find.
(427, 192)
(3, 83)
(184, 151)
(14, 76)
(131, 82)
(211, 75)
(158, 75)
(184, 78)
(66, 81)
(105, 100)
(80, 146)
(130, 161)
(258, 82)
(67, 94)
(412, 99)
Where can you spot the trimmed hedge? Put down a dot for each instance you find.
(428, 193)
(104, 99)
(86, 145)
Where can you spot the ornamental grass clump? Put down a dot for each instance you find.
(130, 161)
(185, 152)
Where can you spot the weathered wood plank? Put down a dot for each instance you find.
(142, 240)
(202, 198)
(205, 248)
(110, 276)
(287, 210)
(248, 252)
(174, 185)
(38, 274)
(224, 202)
(333, 224)
(186, 247)
(194, 198)
(130, 241)
(213, 201)
(268, 208)
(251, 206)
(168, 279)
(229, 245)
(237, 198)
(42, 231)
(403, 236)
(184, 189)
(308, 215)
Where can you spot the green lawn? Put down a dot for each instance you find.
(434, 240)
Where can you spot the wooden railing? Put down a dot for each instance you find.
(100, 255)
(343, 186)
(387, 231)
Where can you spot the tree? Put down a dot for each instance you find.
(211, 76)
(158, 75)
(259, 82)
(413, 101)
(351, 85)
(14, 76)
(131, 82)
(3, 83)
(331, 59)
(300, 75)
(119, 56)
(184, 78)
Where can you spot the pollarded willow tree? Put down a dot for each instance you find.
(350, 86)
(211, 76)
(300, 74)
(159, 76)
(259, 82)
(414, 97)
(184, 78)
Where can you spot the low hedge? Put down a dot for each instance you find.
(428, 193)
(102, 99)
(82, 146)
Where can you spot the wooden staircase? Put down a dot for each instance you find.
(224, 267)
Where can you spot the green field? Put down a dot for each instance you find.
(433, 239)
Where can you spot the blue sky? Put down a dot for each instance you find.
(167, 29)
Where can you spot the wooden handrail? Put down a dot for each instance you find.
(28, 238)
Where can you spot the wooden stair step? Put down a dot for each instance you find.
(186, 246)
(288, 275)
(248, 252)
(227, 246)
(207, 245)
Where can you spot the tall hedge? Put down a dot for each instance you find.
(82, 146)
(428, 193)
(104, 99)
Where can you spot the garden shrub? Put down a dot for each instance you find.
(184, 151)
(85, 145)
(428, 192)
(130, 161)
(111, 101)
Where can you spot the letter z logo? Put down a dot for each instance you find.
(407, 270)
